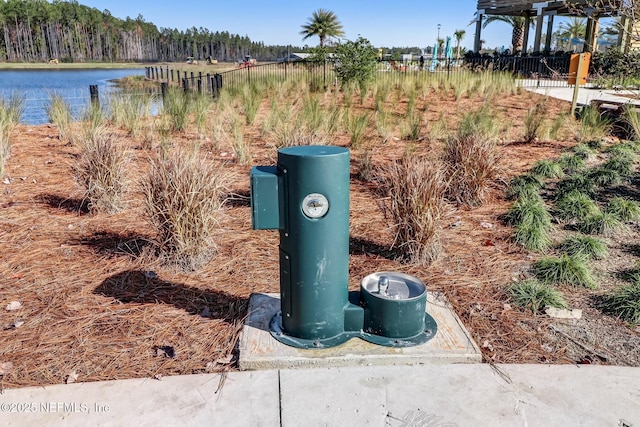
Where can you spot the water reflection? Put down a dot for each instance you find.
(37, 86)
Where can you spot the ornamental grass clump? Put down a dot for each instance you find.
(593, 125)
(416, 188)
(564, 270)
(532, 223)
(625, 210)
(624, 304)
(524, 186)
(576, 206)
(176, 106)
(581, 182)
(605, 223)
(59, 114)
(547, 169)
(583, 151)
(584, 246)
(10, 113)
(571, 163)
(101, 170)
(533, 121)
(471, 159)
(128, 111)
(184, 203)
(621, 163)
(535, 296)
(632, 117)
(604, 178)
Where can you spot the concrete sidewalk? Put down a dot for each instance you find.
(433, 395)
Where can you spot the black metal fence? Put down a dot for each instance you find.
(539, 71)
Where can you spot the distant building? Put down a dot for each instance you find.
(292, 57)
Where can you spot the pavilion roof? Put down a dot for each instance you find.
(526, 7)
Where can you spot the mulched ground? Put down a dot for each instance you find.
(96, 306)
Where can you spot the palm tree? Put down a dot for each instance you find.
(459, 35)
(323, 23)
(517, 23)
(574, 28)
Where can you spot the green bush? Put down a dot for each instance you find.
(355, 62)
(535, 296)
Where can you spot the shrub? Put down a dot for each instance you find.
(576, 205)
(625, 210)
(547, 169)
(568, 270)
(101, 171)
(184, 204)
(624, 304)
(355, 62)
(416, 189)
(470, 157)
(584, 246)
(535, 296)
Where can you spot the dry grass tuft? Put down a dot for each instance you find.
(471, 158)
(416, 188)
(184, 200)
(101, 171)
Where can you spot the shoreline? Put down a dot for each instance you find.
(70, 66)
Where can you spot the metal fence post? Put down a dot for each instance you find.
(95, 98)
(164, 87)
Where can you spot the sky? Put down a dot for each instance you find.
(385, 23)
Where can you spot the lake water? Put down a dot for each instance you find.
(37, 86)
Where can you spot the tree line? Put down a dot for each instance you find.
(37, 30)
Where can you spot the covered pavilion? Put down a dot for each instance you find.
(549, 9)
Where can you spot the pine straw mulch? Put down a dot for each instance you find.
(97, 306)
